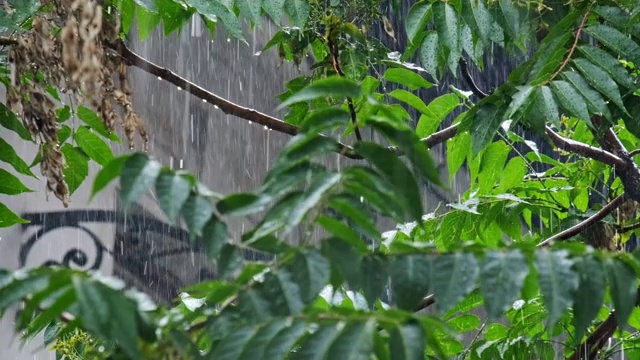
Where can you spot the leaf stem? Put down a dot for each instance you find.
(573, 47)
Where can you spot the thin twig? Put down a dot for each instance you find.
(625, 229)
(634, 152)
(335, 57)
(592, 220)
(5, 41)
(573, 47)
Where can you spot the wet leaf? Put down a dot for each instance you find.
(95, 123)
(214, 236)
(321, 120)
(571, 100)
(589, 294)
(274, 8)
(333, 86)
(616, 41)
(310, 271)
(410, 99)
(429, 53)
(479, 18)
(93, 146)
(417, 19)
(519, 100)
(77, 166)
(354, 342)
(139, 172)
(11, 185)
(9, 121)
(501, 279)
(408, 78)
(250, 9)
(594, 101)
(600, 80)
(9, 155)
(446, 20)
(407, 342)
(196, 211)
(453, 277)
(623, 285)
(298, 11)
(316, 192)
(410, 276)
(316, 346)
(172, 191)
(9, 218)
(284, 340)
(486, 122)
(436, 112)
(609, 64)
(108, 173)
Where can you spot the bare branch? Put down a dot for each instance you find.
(4, 41)
(573, 47)
(592, 220)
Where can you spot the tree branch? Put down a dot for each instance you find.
(592, 220)
(573, 47)
(583, 149)
(4, 41)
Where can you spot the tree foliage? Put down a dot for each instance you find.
(359, 292)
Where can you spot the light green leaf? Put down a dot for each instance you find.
(429, 53)
(322, 184)
(310, 271)
(77, 166)
(93, 146)
(215, 10)
(571, 100)
(214, 236)
(139, 173)
(464, 323)
(127, 10)
(453, 277)
(95, 122)
(172, 191)
(9, 218)
(149, 5)
(616, 41)
(396, 173)
(406, 77)
(546, 104)
(501, 280)
(557, 282)
(108, 173)
(595, 103)
(274, 8)
(333, 86)
(410, 99)
(407, 342)
(323, 119)
(589, 294)
(9, 155)
(609, 64)
(436, 112)
(513, 174)
(147, 21)
(410, 276)
(623, 285)
(458, 149)
(11, 185)
(479, 18)
(600, 80)
(250, 9)
(417, 18)
(446, 20)
(9, 121)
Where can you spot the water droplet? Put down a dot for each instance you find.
(179, 88)
(250, 122)
(258, 53)
(204, 100)
(266, 127)
(159, 78)
(181, 163)
(228, 39)
(216, 106)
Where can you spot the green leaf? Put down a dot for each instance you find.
(513, 174)
(11, 185)
(589, 294)
(283, 293)
(354, 342)
(429, 53)
(138, 174)
(9, 218)
(557, 282)
(464, 323)
(407, 342)
(342, 231)
(518, 101)
(595, 103)
(571, 100)
(312, 196)
(310, 271)
(147, 21)
(127, 10)
(254, 349)
(284, 340)
(358, 213)
(501, 279)
(446, 20)
(149, 5)
(616, 41)
(332, 86)
(250, 9)
(410, 99)
(298, 11)
(546, 104)
(375, 190)
(108, 173)
(410, 276)
(316, 346)
(196, 212)
(435, 113)
(8, 155)
(107, 314)
(274, 8)
(609, 64)
(406, 77)
(453, 277)
(411, 145)
(77, 166)
(600, 80)
(172, 191)
(323, 119)
(239, 204)
(93, 146)
(479, 18)
(214, 236)
(95, 122)
(9, 121)
(457, 150)
(396, 173)
(486, 122)
(417, 19)
(623, 285)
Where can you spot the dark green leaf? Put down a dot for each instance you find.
(479, 18)
(214, 236)
(595, 103)
(11, 185)
(77, 166)
(255, 348)
(139, 172)
(609, 64)
(571, 100)
(623, 285)
(333, 86)
(9, 121)
(453, 277)
(172, 191)
(501, 279)
(321, 185)
(323, 119)
(446, 20)
(357, 213)
(284, 340)
(407, 342)
(590, 293)
(175, 15)
(93, 146)
(557, 280)
(417, 18)
(342, 231)
(274, 8)
(250, 9)
(616, 41)
(396, 173)
(375, 276)
(310, 271)
(519, 101)
(298, 11)
(410, 276)
(316, 346)
(8, 155)
(429, 53)
(600, 80)
(354, 342)
(108, 173)
(486, 122)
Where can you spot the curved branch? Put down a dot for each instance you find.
(573, 47)
(592, 220)
(469, 80)
(583, 149)
(5, 41)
